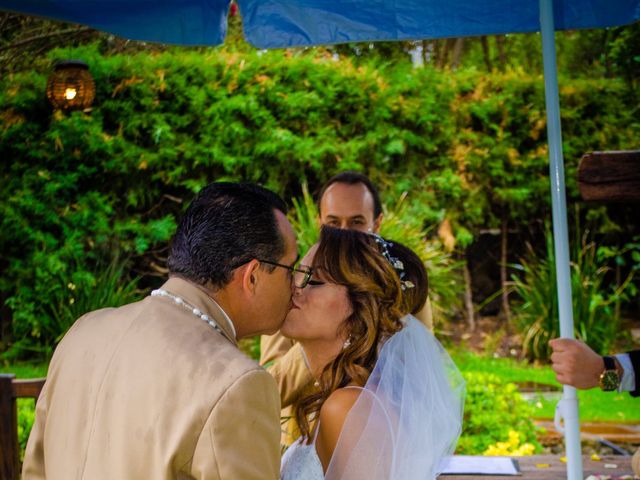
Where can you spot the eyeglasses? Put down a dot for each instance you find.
(301, 275)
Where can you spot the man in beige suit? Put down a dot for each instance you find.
(158, 389)
(348, 200)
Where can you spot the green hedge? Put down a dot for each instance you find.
(83, 190)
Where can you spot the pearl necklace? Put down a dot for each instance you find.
(194, 310)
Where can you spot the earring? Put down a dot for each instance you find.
(346, 343)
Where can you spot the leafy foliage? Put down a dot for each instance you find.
(304, 219)
(593, 299)
(497, 420)
(81, 189)
(445, 285)
(26, 417)
(71, 291)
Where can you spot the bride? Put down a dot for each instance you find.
(388, 402)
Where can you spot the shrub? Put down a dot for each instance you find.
(444, 272)
(71, 290)
(496, 418)
(593, 300)
(26, 417)
(304, 219)
(465, 145)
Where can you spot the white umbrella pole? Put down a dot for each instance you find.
(567, 407)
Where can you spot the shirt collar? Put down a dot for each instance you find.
(197, 297)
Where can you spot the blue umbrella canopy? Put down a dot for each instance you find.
(289, 23)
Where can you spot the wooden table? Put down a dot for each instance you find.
(530, 467)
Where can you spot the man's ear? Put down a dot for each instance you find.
(249, 275)
(377, 222)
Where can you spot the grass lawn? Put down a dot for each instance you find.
(26, 370)
(595, 405)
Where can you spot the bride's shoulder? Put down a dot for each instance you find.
(333, 414)
(338, 404)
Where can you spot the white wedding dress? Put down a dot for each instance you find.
(301, 461)
(407, 418)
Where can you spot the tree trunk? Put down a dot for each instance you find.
(487, 54)
(468, 297)
(444, 53)
(506, 311)
(425, 52)
(436, 46)
(502, 57)
(457, 52)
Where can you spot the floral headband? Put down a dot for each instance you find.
(395, 262)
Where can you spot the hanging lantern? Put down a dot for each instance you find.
(70, 86)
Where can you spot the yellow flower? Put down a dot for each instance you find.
(510, 447)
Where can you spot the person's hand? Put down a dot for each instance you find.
(575, 363)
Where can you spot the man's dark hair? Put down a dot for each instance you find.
(226, 226)
(353, 178)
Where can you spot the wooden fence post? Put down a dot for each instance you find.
(8, 431)
(10, 390)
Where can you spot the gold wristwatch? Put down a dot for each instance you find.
(609, 378)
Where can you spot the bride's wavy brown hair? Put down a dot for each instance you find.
(354, 260)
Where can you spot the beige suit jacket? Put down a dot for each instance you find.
(150, 391)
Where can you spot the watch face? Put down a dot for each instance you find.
(609, 380)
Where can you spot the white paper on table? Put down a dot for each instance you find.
(479, 465)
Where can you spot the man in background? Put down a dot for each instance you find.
(348, 200)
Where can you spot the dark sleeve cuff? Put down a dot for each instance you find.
(635, 361)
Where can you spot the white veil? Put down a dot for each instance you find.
(407, 417)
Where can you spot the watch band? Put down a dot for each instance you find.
(609, 363)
